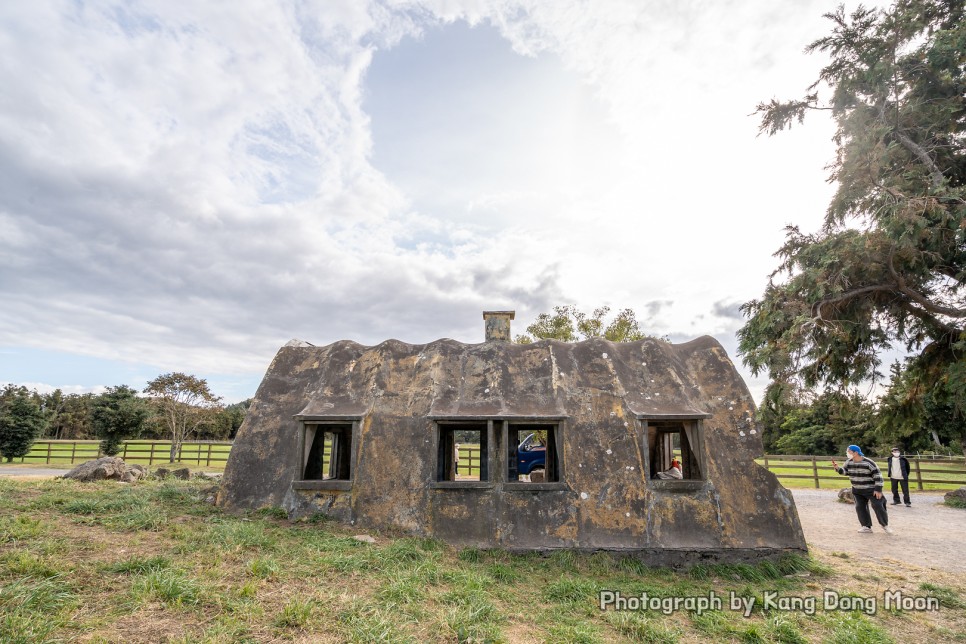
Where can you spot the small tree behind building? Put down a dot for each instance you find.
(118, 414)
(21, 422)
(570, 324)
(185, 403)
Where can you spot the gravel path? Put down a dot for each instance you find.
(929, 534)
(13, 470)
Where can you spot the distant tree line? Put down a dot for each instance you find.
(801, 421)
(173, 406)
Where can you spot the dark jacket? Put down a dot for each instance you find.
(903, 466)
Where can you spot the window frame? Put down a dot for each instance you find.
(508, 455)
(693, 440)
(319, 423)
(442, 426)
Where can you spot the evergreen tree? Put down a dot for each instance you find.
(21, 422)
(829, 423)
(68, 416)
(889, 264)
(116, 415)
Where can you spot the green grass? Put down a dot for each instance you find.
(942, 475)
(172, 587)
(31, 609)
(295, 614)
(947, 597)
(154, 453)
(139, 565)
(77, 560)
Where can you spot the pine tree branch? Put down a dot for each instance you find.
(920, 299)
(928, 308)
(934, 172)
(848, 295)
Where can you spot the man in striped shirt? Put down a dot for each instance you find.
(866, 488)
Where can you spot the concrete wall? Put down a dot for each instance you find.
(606, 498)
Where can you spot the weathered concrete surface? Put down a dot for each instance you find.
(601, 390)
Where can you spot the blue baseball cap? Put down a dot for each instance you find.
(856, 449)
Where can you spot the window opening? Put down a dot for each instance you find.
(674, 449)
(532, 453)
(328, 452)
(462, 452)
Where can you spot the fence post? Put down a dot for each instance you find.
(208, 460)
(124, 451)
(151, 454)
(815, 472)
(73, 452)
(48, 452)
(918, 475)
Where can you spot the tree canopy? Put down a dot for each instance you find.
(569, 324)
(21, 421)
(185, 402)
(116, 415)
(888, 266)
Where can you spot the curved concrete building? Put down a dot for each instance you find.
(369, 436)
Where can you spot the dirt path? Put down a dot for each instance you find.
(30, 472)
(928, 534)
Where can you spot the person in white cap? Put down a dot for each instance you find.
(866, 488)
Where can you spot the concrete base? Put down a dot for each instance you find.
(671, 558)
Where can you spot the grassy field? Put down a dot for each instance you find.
(153, 562)
(938, 475)
(796, 473)
(143, 452)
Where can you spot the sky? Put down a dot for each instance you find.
(187, 186)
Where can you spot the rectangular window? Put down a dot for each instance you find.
(533, 453)
(328, 452)
(462, 452)
(675, 449)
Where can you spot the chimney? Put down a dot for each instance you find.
(497, 325)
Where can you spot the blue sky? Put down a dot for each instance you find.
(186, 189)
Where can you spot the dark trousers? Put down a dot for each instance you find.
(905, 490)
(862, 500)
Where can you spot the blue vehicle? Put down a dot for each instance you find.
(532, 459)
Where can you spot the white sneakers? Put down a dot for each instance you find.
(885, 529)
(865, 530)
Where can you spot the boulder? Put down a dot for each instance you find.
(209, 494)
(182, 473)
(162, 473)
(956, 497)
(845, 495)
(106, 468)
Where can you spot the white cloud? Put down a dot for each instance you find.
(44, 388)
(187, 186)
